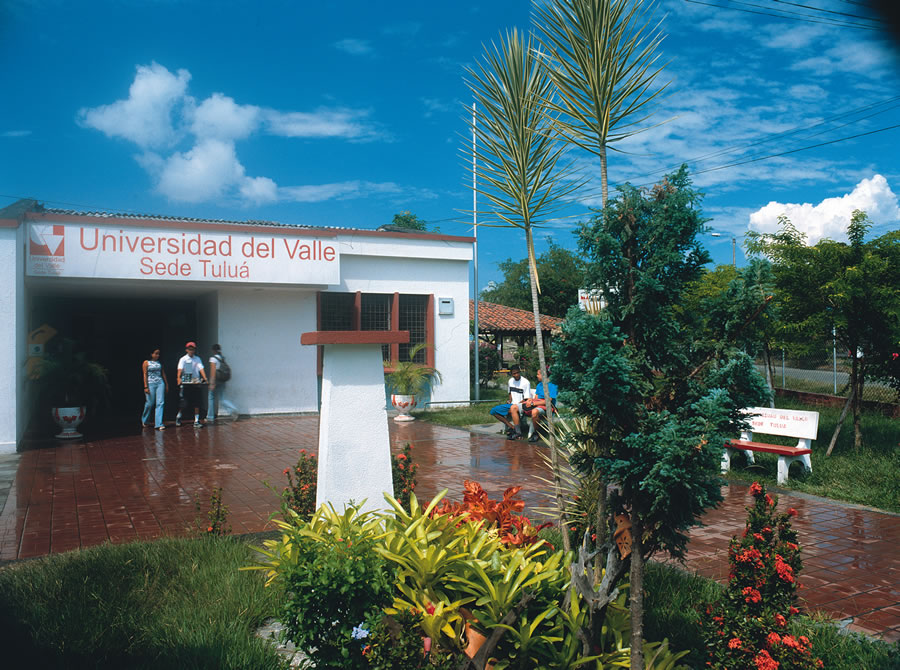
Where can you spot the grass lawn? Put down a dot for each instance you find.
(171, 603)
(182, 603)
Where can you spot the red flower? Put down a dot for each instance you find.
(734, 643)
(751, 595)
(789, 641)
(759, 537)
(285, 471)
(400, 466)
(785, 571)
(401, 457)
(755, 489)
(773, 638)
(209, 530)
(794, 610)
(780, 620)
(769, 501)
(765, 662)
(895, 356)
(792, 512)
(429, 608)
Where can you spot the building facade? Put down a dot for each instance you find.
(121, 285)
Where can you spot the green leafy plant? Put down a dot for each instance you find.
(66, 378)
(411, 378)
(334, 581)
(748, 627)
(216, 521)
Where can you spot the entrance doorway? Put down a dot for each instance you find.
(119, 333)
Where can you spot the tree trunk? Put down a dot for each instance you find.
(604, 184)
(636, 594)
(840, 423)
(858, 364)
(554, 454)
(767, 360)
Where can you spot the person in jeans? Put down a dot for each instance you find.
(217, 397)
(156, 385)
(191, 375)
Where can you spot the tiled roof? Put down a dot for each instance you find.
(186, 219)
(493, 318)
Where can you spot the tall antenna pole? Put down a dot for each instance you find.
(475, 228)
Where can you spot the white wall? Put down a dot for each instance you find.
(259, 331)
(444, 279)
(12, 339)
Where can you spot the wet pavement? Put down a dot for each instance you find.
(145, 485)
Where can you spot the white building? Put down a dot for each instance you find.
(121, 285)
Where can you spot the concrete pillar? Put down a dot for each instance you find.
(12, 337)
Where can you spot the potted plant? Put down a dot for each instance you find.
(68, 383)
(409, 379)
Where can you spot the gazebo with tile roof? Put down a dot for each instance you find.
(509, 327)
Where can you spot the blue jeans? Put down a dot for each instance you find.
(157, 396)
(215, 400)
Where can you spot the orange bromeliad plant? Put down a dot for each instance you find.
(513, 528)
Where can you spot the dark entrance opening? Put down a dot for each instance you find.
(119, 333)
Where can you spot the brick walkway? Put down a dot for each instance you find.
(143, 486)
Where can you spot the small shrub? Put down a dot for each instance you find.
(404, 470)
(488, 362)
(216, 518)
(300, 493)
(748, 627)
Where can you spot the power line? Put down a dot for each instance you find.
(794, 131)
(826, 11)
(784, 15)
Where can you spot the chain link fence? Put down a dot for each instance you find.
(826, 371)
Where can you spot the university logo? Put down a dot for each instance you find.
(47, 240)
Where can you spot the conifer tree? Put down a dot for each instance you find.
(660, 400)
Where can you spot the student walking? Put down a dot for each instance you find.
(191, 375)
(156, 386)
(219, 374)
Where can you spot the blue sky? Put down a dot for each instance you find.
(346, 113)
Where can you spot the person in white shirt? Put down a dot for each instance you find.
(190, 376)
(510, 413)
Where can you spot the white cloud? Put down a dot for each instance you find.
(203, 173)
(807, 92)
(220, 117)
(830, 217)
(345, 123)
(339, 190)
(354, 47)
(16, 133)
(145, 117)
(861, 58)
(158, 113)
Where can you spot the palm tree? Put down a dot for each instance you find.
(519, 162)
(602, 56)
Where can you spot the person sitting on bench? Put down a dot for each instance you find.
(510, 413)
(537, 406)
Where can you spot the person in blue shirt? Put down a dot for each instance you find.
(537, 407)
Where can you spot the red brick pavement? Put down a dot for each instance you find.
(143, 486)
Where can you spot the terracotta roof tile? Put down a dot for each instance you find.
(494, 318)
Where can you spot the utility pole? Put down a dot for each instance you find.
(475, 274)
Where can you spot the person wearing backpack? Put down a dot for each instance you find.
(219, 374)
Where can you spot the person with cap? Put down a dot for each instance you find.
(191, 375)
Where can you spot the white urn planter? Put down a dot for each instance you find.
(68, 419)
(403, 404)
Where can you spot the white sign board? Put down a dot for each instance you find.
(593, 299)
(112, 252)
(789, 422)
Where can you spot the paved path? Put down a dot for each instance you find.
(142, 486)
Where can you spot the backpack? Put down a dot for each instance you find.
(223, 370)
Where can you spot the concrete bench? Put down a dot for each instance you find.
(782, 422)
